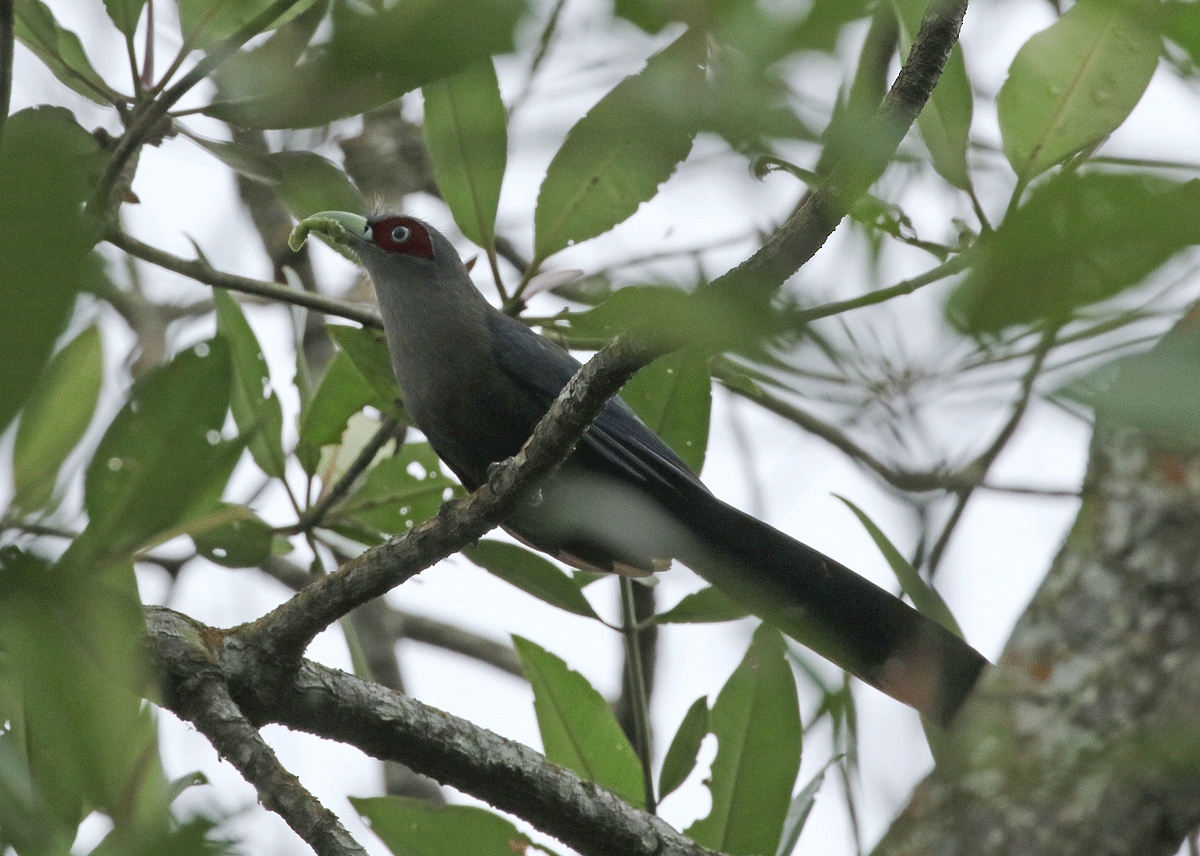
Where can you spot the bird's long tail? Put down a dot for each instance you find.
(827, 607)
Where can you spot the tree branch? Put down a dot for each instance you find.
(797, 240)
(1083, 739)
(391, 726)
(196, 688)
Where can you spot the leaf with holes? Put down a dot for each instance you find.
(681, 755)
(756, 719)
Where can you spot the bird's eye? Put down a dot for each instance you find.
(400, 234)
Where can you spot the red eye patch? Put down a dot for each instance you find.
(403, 235)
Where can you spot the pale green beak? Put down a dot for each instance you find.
(341, 228)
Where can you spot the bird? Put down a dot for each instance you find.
(476, 381)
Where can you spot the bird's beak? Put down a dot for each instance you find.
(344, 230)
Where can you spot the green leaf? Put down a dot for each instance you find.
(927, 601)
(26, 822)
(73, 646)
(55, 417)
(309, 182)
(708, 604)
(1181, 24)
(799, 810)
(1156, 391)
(367, 349)
(373, 56)
(466, 132)
(232, 536)
(304, 181)
(945, 121)
(673, 396)
(162, 458)
(756, 719)
(44, 170)
(712, 320)
(125, 14)
(531, 573)
(578, 728)
(411, 827)
(60, 49)
(1077, 239)
(1073, 84)
(680, 759)
(617, 155)
(204, 23)
(343, 391)
(254, 403)
(400, 491)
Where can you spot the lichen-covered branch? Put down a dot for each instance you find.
(1083, 739)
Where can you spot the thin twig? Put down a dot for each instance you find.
(983, 463)
(148, 119)
(201, 271)
(315, 514)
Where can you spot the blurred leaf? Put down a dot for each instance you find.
(343, 391)
(162, 457)
(367, 349)
(204, 23)
(309, 182)
(711, 319)
(927, 601)
(232, 536)
(756, 719)
(578, 728)
(254, 403)
(373, 56)
(125, 14)
(60, 49)
(801, 806)
(826, 19)
(26, 822)
(466, 132)
(617, 155)
(1077, 239)
(1181, 24)
(531, 573)
(1158, 390)
(400, 491)
(708, 604)
(673, 396)
(680, 759)
(412, 827)
(304, 181)
(73, 643)
(55, 417)
(44, 169)
(1073, 84)
(945, 121)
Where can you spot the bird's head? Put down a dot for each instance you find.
(388, 245)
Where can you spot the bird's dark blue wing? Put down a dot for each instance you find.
(618, 443)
